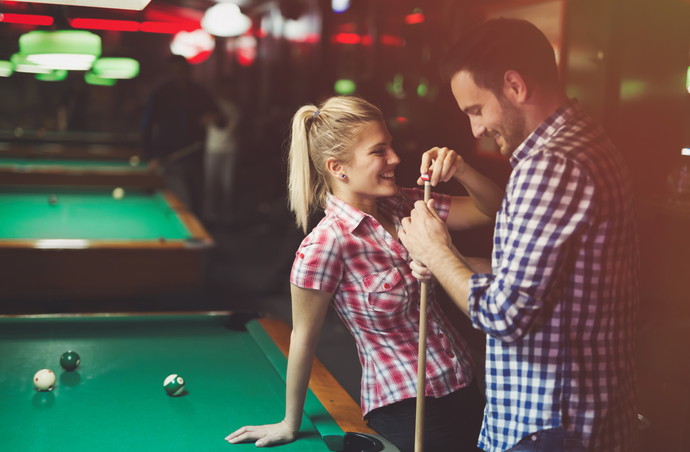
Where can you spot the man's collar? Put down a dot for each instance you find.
(547, 128)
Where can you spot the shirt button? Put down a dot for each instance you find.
(534, 437)
(386, 286)
(451, 354)
(441, 335)
(301, 255)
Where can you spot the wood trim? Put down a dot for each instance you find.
(342, 408)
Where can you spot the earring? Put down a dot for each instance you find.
(343, 176)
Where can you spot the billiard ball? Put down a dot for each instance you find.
(53, 200)
(44, 380)
(173, 384)
(134, 160)
(118, 193)
(70, 360)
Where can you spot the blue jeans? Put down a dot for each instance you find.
(551, 440)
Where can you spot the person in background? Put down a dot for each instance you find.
(174, 131)
(341, 159)
(222, 148)
(559, 304)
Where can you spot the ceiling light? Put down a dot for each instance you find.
(6, 68)
(61, 49)
(225, 20)
(93, 79)
(21, 64)
(118, 68)
(57, 75)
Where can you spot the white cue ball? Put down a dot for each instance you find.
(118, 193)
(44, 380)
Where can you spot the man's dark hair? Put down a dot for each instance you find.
(493, 47)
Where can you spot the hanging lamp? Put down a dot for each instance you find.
(61, 49)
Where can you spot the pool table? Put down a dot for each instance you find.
(234, 369)
(76, 149)
(66, 171)
(83, 243)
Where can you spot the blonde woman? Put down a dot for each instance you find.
(341, 160)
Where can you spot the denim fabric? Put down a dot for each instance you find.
(552, 440)
(451, 423)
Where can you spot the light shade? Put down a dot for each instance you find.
(61, 49)
(344, 86)
(6, 68)
(113, 4)
(118, 68)
(93, 79)
(225, 19)
(21, 64)
(56, 75)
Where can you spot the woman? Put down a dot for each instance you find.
(341, 160)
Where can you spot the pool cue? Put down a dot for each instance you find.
(421, 353)
(183, 152)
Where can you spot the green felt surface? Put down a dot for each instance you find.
(115, 400)
(29, 164)
(87, 214)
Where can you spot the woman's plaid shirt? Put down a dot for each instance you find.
(350, 255)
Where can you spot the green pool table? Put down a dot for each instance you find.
(83, 243)
(66, 171)
(114, 401)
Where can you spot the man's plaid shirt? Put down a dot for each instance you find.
(560, 306)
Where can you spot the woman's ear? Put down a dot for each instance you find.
(334, 167)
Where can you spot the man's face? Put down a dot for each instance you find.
(490, 116)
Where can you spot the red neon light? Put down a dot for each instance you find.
(347, 38)
(28, 19)
(415, 18)
(390, 40)
(401, 119)
(165, 27)
(105, 24)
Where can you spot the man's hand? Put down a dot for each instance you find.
(423, 233)
(443, 164)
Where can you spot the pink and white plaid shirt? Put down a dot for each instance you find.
(350, 255)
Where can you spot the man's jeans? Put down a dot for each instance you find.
(552, 440)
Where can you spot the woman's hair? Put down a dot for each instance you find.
(318, 134)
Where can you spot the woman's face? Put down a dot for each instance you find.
(371, 171)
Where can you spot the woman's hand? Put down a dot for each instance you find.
(263, 435)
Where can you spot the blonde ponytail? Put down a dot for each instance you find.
(318, 134)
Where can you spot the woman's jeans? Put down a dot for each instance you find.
(551, 440)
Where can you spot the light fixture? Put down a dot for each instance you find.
(61, 49)
(93, 79)
(195, 45)
(21, 64)
(117, 68)
(112, 4)
(6, 68)
(225, 20)
(56, 75)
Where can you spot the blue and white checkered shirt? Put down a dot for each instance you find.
(560, 306)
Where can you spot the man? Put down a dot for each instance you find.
(560, 301)
(174, 129)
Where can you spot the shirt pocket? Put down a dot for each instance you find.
(385, 290)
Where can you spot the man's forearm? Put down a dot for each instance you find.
(453, 272)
